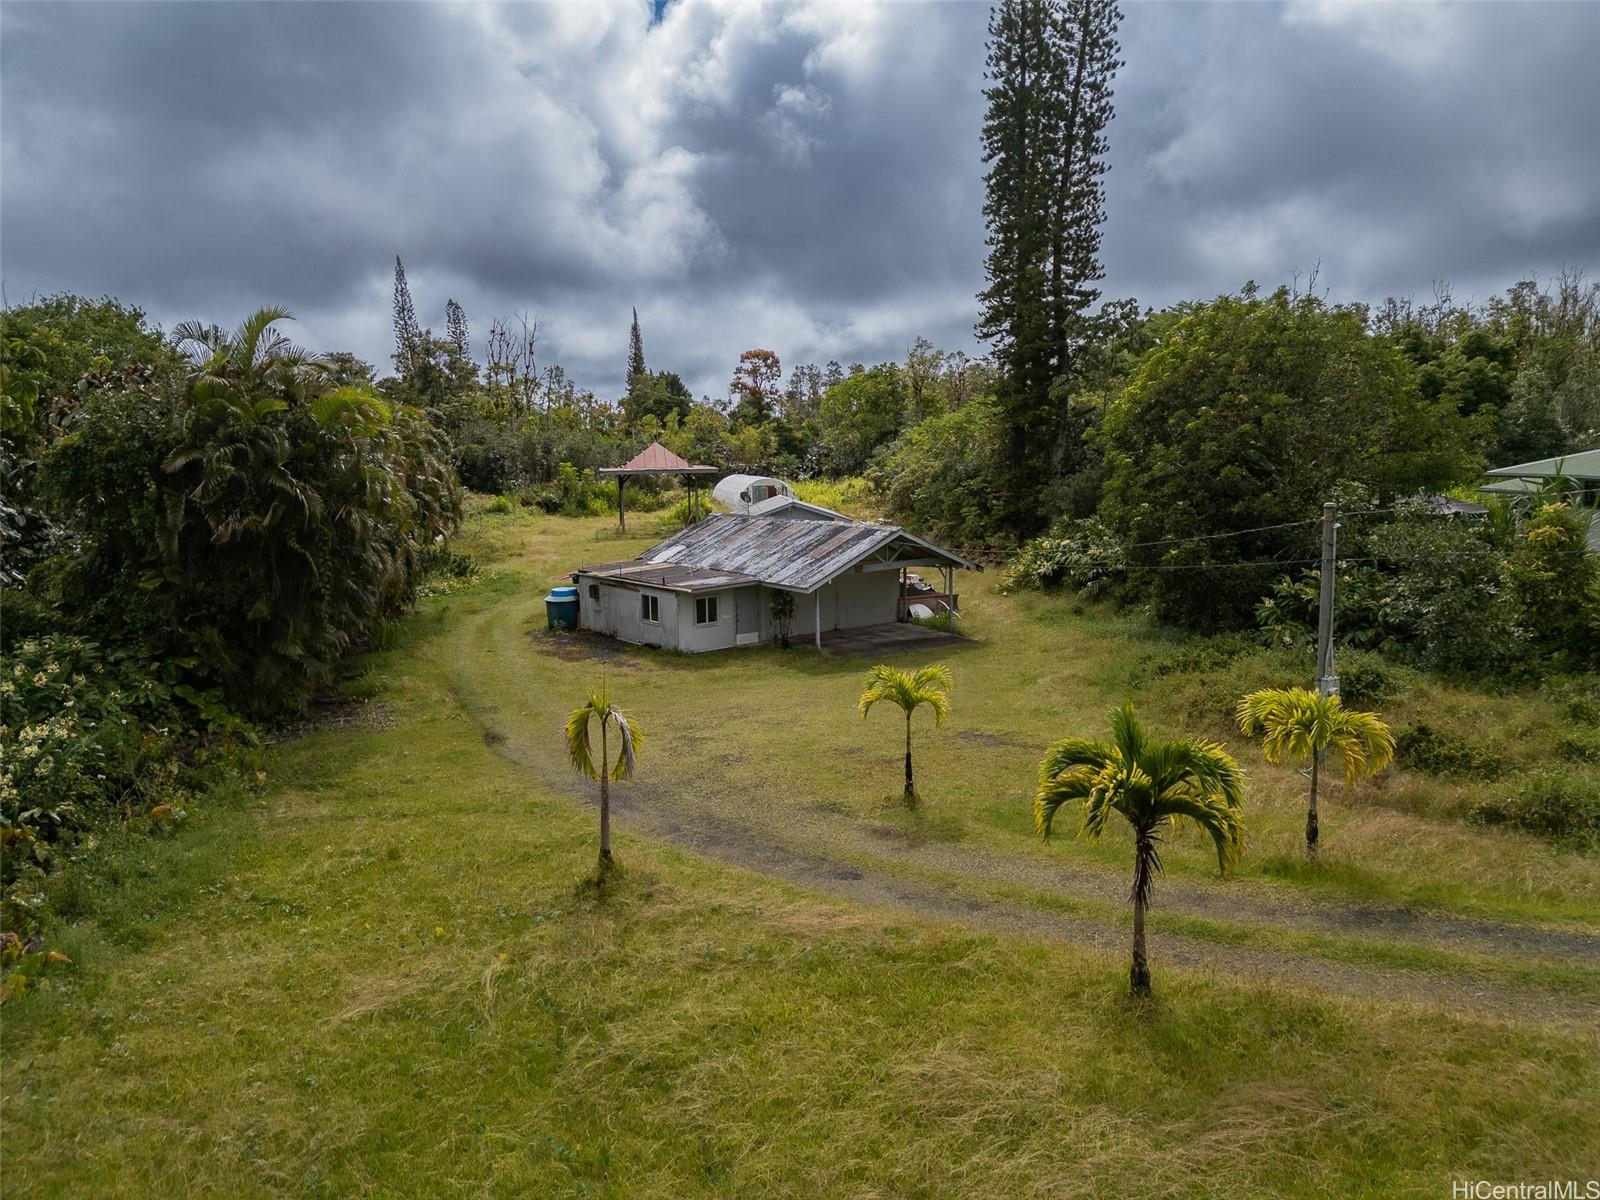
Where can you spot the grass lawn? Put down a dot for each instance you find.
(378, 976)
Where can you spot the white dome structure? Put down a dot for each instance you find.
(740, 493)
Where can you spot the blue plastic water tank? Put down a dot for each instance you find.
(561, 610)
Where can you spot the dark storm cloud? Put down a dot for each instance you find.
(804, 177)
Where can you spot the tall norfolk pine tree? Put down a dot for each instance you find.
(635, 350)
(1049, 67)
(456, 331)
(406, 331)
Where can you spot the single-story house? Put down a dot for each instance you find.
(1576, 475)
(713, 585)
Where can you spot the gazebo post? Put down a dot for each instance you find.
(818, 595)
(622, 523)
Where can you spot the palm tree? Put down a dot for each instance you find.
(1301, 724)
(909, 690)
(1151, 783)
(600, 708)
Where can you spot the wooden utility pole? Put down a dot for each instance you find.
(1327, 673)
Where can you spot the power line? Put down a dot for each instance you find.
(1206, 537)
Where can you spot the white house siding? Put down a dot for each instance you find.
(616, 611)
(692, 638)
(849, 602)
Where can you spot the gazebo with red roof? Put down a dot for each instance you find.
(656, 459)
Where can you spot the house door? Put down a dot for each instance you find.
(747, 616)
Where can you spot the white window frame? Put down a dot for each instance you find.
(701, 603)
(649, 608)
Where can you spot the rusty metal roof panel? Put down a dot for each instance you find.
(794, 554)
(672, 577)
(787, 552)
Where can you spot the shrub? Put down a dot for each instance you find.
(84, 735)
(1579, 699)
(1551, 581)
(444, 571)
(1556, 804)
(942, 476)
(1083, 555)
(1578, 749)
(1434, 752)
(541, 498)
(1366, 616)
(248, 525)
(1368, 680)
(1200, 654)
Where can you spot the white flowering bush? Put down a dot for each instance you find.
(77, 739)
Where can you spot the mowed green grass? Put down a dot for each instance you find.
(1042, 667)
(378, 976)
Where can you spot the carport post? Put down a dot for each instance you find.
(818, 595)
(621, 520)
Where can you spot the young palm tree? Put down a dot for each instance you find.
(1301, 724)
(909, 690)
(600, 708)
(1151, 783)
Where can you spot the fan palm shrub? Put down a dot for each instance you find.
(1299, 724)
(908, 691)
(599, 709)
(1153, 784)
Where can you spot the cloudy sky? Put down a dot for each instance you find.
(801, 176)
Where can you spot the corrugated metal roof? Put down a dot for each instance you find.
(795, 554)
(789, 506)
(1579, 465)
(671, 577)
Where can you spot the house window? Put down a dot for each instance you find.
(705, 610)
(650, 609)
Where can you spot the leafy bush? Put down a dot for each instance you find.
(1551, 580)
(1082, 555)
(1572, 748)
(250, 527)
(1201, 681)
(86, 736)
(444, 571)
(1369, 680)
(1365, 616)
(1435, 752)
(1447, 595)
(1557, 804)
(1578, 699)
(942, 476)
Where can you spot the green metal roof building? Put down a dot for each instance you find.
(1579, 473)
